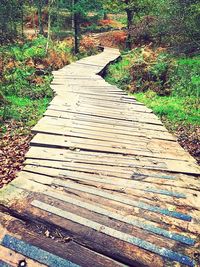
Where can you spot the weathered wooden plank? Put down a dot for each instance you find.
(12, 258)
(44, 127)
(119, 160)
(103, 112)
(152, 207)
(160, 194)
(107, 221)
(105, 146)
(135, 110)
(119, 206)
(34, 252)
(114, 171)
(83, 122)
(103, 95)
(57, 111)
(117, 249)
(130, 163)
(116, 117)
(129, 220)
(58, 126)
(174, 256)
(69, 250)
(165, 215)
(144, 179)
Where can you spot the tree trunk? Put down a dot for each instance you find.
(22, 19)
(39, 7)
(130, 15)
(76, 28)
(49, 24)
(105, 15)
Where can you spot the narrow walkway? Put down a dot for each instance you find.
(104, 184)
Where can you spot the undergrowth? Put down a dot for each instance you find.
(26, 74)
(170, 86)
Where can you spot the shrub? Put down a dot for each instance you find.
(143, 31)
(88, 45)
(186, 77)
(114, 39)
(110, 23)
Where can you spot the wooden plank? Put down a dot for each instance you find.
(104, 146)
(111, 113)
(129, 200)
(69, 128)
(183, 259)
(35, 253)
(82, 133)
(126, 168)
(167, 194)
(163, 220)
(129, 220)
(105, 220)
(70, 250)
(92, 127)
(135, 106)
(87, 122)
(13, 258)
(140, 175)
(97, 158)
(87, 168)
(117, 249)
(103, 95)
(56, 111)
(135, 110)
(163, 202)
(116, 117)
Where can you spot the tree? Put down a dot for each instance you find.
(40, 4)
(10, 17)
(132, 8)
(178, 24)
(80, 10)
(76, 24)
(50, 6)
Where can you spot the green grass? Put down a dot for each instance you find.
(24, 92)
(175, 111)
(118, 73)
(179, 107)
(24, 110)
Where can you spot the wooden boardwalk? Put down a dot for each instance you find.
(104, 180)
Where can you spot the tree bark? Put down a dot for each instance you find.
(105, 15)
(76, 28)
(49, 24)
(130, 15)
(39, 7)
(22, 19)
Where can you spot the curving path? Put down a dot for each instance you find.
(104, 183)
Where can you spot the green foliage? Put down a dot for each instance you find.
(186, 77)
(175, 110)
(19, 74)
(179, 77)
(25, 89)
(10, 17)
(24, 110)
(178, 24)
(119, 73)
(25, 99)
